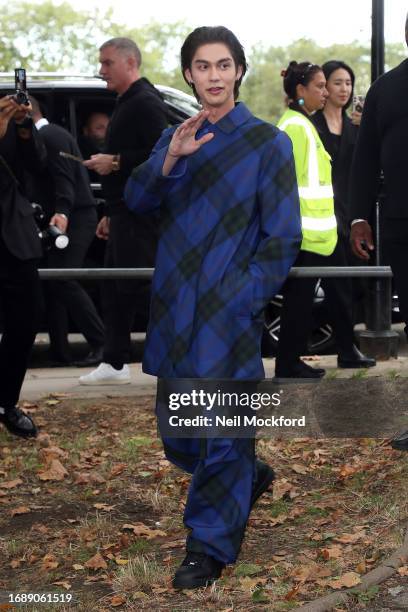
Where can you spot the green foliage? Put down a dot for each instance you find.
(246, 569)
(47, 37)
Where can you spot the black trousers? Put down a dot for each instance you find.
(296, 316)
(68, 300)
(395, 239)
(126, 300)
(20, 295)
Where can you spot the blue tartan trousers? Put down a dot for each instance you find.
(219, 497)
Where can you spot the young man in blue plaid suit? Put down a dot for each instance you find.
(224, 185)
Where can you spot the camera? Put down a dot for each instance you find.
(50, 236)
(53, 237)
(21, 96)
(358, 103)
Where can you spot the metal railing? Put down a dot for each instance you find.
(378, 340)
(143, 273)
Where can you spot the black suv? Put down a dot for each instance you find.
(68, 101)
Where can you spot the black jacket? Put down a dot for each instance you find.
(18, 231)
(64, 186)
(135, 126)
(382, 145)
(342, 157)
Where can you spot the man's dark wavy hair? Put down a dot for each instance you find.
(213, 34)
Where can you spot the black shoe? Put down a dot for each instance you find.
(197, 570)
(264, 477)
(354, 359)
(400, 442)
(18, 423)
(94, 357)
(299, 370)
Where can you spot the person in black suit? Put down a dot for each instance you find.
(64, 192)
(20, 249)
(382, 146)
(338, 135)
(136, 124)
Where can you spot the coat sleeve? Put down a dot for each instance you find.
(151, 115)
(147, 187)
(280, 223)
(366, 166)
(61, 169)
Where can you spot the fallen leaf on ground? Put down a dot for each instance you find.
(49, 562)
(348, 580)
(96, 562)
(403, 571)
(140, 529)
(299, 469)
(249, 584)
(120, 561)
(117, 469)
(86, 478)
(103, 507)
(55, 471)
(66, 585)
(331, 552)
(20, 510)
(10, 484)
(282, 488)
(309, 573)
(117, 600)
(350, 538)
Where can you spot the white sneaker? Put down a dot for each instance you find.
(105, 374)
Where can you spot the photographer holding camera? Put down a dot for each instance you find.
(20, 249)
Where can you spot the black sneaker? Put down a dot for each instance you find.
(197, 570)
(18, 422)
(400, 442)
(264, 478)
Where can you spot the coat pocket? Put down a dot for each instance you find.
(237, 291)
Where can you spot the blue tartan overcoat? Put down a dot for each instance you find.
(229, 232)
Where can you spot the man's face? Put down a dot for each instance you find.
(214, 74)
(115, 69)
(96, 126)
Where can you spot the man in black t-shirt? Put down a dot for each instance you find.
(138, 119)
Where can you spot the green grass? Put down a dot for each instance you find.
(133, 447)
(317, 512)
(360, 374)
(138, 547)
(279, 507)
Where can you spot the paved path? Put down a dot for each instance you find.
(40, 382)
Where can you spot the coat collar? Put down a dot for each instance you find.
(233, 120)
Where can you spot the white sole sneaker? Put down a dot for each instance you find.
(104, 381)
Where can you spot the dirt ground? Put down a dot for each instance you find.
(92, 509)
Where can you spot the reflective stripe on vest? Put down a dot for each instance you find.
(319, 225)
(316, 193)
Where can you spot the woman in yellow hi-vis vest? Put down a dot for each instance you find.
(305, 87)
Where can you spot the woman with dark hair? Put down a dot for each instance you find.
(305, 87)
(339, 133)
